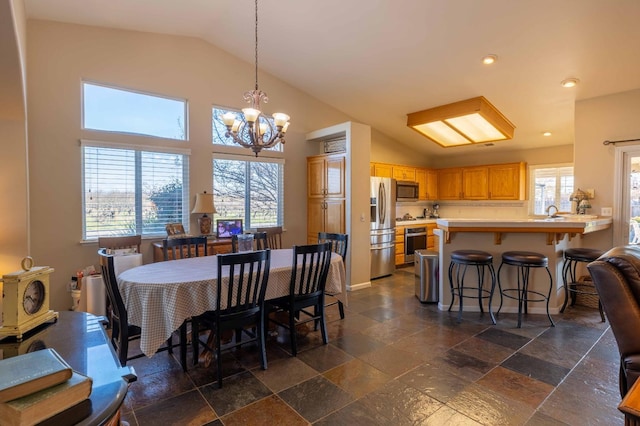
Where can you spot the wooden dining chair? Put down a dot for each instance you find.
(259, 241)
(184, 247)
(118, 243)
(339, 244)
(274, 236)
(121, 331)
(122, 242)
(239, 305)
(306, 290)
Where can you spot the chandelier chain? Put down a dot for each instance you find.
(256, 53)
(254, 130)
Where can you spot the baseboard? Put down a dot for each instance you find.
(360, 286)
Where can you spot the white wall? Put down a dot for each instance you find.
(14, 220)
(612, 117)
(61, 55)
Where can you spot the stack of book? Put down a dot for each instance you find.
(41, 388)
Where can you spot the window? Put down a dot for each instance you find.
(219, 129)
(130, 190)
(248, 188)
(550, 185)
(119, 110)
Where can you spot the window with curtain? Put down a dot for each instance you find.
(550, 185)
(131, 190)
(249, 188)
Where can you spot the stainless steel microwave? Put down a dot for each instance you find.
(406, 190)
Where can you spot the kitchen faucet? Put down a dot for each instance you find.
(555, 214)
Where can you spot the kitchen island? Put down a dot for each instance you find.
(548, 236)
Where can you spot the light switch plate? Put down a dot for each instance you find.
(606, 211)
(591, 193)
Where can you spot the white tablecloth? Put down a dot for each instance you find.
(160, 296)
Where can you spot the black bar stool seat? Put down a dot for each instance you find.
(572, 286)
(524, 261)
(525, 258)
(460, 260)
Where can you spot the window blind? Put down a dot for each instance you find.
(128, 190)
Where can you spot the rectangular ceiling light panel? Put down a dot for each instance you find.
(461, 123)
(441, 133)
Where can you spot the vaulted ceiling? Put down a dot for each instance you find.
(378, 60)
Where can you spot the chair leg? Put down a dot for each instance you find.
(453, 295)
(183, 346)
(292, 332)
(600, 309)
(341, 308)
(170, 344)
(195, 340)
(323, 324)
(261, 341)
(123, 347)
(219, 356)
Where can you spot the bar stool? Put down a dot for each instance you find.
(524, 261)
(572, 258)
(460, 260)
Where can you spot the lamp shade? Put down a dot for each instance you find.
(204, 204)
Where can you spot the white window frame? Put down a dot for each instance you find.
(532, 185)
(252, 159)
(138, 184)
(185, 113)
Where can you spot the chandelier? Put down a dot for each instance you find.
(254, 130)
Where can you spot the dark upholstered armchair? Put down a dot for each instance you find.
(616, 275)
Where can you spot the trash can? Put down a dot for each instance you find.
(427, 273)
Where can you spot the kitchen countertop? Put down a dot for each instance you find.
(415, 222)
(554, 227)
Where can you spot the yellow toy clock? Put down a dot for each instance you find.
(25, 300)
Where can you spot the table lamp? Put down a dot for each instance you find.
(204, 205)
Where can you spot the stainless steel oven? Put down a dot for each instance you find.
(414, 239)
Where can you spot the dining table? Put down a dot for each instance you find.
(159, 297)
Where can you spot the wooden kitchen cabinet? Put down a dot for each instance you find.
(404, 173)
(507, 181)
(325, 176)
(491, 182)
(325, 195)
(381, 170)
(400, 245)
(475, 183)
(450, 184)
(432, 184)
(427, 184)
(430, 237)
(324, 215)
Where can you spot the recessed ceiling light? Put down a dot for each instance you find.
(570, 82)
(546, 134)
(489, 59)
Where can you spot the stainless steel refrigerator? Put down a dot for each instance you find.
(383, 226)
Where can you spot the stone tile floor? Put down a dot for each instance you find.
(395, 361)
